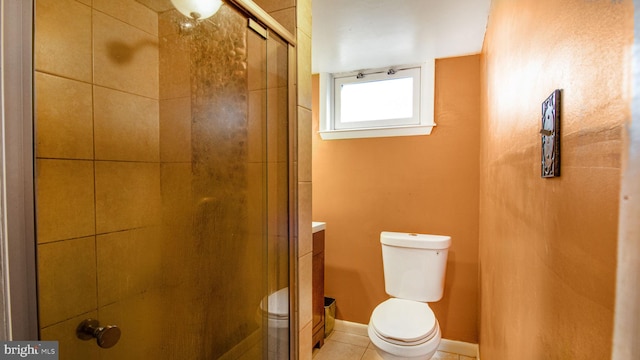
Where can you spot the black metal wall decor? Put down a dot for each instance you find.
(551, 135)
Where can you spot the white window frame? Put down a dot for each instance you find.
(332, 128)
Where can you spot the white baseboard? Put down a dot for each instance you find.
(351, 327)
(459, 347)
(452, 346)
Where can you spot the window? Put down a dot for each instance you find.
(376, 103)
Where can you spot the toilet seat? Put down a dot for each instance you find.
(404, 322)
(277, 305)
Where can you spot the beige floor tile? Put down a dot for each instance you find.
(441, 355)
(333, 350)
(371, 354)
(348, 338)
(462, 357)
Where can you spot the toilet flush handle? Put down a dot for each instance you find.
(106, 336)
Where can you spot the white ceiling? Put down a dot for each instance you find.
(353, 35)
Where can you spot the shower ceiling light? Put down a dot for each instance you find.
(197, 9)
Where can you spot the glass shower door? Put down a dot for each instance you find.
(161, 181)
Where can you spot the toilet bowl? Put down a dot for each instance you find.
(274, 310)
(404, 329)
(404, 326)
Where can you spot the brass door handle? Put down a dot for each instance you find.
(106, 336)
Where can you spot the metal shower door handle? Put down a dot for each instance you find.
(106, 337)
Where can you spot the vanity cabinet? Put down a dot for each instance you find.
(318, 288)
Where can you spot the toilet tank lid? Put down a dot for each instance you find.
(416, 241)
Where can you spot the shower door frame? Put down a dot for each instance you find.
(18, 262)
(18, 283)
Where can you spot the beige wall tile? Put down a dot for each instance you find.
(177, 197)
(274, 5)
(272, 196)
(64, 199)
(278, 262)
(177, 222)
(305, 244)
(126, 126)
(283, 124)
(125, 58)
(277, 64)
(175, 67)
(256, 64)
(304, 17)
(175, 130)
(129, 263)
(63, 118)
(256, 207)
(69, 346)
(127, 195)
(157, 5)
(304, 70)
(63, 38)
(130, 11)
(286, 17)
(67, 280)
(283, 198)
(277, 124)
(168, 22)
(143, 320)
(304, 144)
(304, 339)
(256, 119)
(305, 290)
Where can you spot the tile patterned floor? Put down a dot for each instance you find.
(346, 343)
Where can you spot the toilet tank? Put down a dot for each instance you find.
(414, 265)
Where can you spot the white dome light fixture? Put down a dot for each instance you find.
(197, 9)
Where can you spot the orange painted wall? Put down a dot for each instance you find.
(424, 184)
(548, 246)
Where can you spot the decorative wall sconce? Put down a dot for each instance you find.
(197, 9)
(551, 135)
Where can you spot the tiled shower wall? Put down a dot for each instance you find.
(98, 167)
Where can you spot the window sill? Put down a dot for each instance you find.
(376, 132)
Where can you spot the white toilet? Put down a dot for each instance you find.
(404, 327)
(274, 310)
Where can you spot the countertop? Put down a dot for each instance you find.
(318, 226)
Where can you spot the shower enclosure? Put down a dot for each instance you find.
(162, 172)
